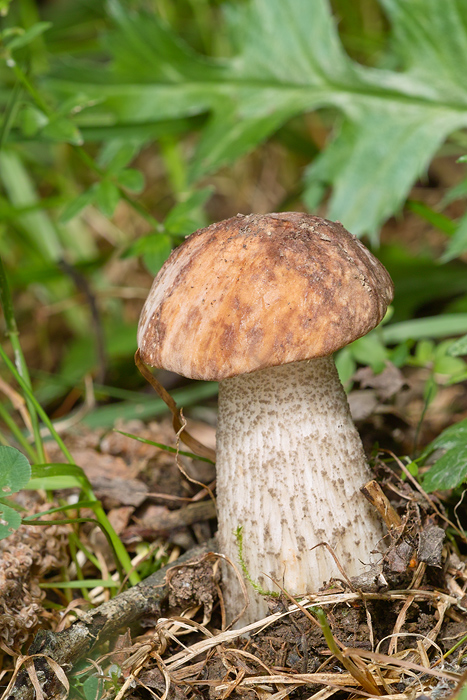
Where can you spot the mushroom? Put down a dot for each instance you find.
(260, 303)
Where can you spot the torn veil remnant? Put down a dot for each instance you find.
(260, 303)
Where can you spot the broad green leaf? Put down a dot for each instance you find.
(290, 61)
(15, 470)
(400, 354)
(107, 197)
(92, 688)
(10, 520)
(449, 471)
(452, 438)
(131, 179)
(369, 350)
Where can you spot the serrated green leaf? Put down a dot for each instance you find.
(131, 179)
(290, 60)
(15, 470)
(28, 35)
(449, 471)
(107, 197)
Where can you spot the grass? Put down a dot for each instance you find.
(126, 127)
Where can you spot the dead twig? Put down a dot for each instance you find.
(65, 648)
(195, 446)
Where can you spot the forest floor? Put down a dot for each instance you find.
(400, 633)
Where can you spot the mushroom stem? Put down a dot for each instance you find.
(290, 466)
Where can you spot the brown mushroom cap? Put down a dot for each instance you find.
(261, 290)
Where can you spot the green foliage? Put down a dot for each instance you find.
(15, 472)
(89, 95)
(289, 61)
(450, 470)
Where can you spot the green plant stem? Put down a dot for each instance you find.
(13, 334)
(87, 553)
(122, 554)
(29, 87)
(10, 113)
(29, 395)
(456, 646)
(72, 544)
(17, 434)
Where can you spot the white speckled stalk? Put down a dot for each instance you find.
(290, 465)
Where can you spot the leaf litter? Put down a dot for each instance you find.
(397, 631)
(402, 624)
